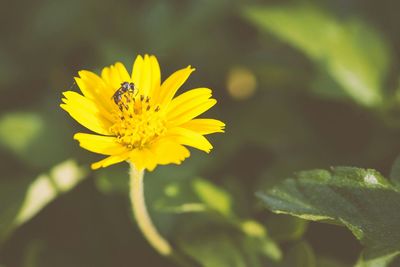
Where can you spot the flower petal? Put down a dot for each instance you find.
(189, 110)
(186, 100)
(106, 145)
(205, 126)
(143, 159)
(171, 85)
(109, 161)
(122, 72)
(164, 151)
(85, 112)
(92, 85)
(114, 75)
(80, 101)
(189, 138)
(146, 74)
(168, 151)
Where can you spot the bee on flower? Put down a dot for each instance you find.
(137, 118)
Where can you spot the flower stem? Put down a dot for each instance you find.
(142, 216)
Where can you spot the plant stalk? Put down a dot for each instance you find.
(142, 217)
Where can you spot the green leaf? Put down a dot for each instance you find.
(213, 248)
(325, 86)
(349, 51)
(215, 198)
(383, 261)
(18, 130)
(300, 255)
(329, 262)
(284, 228)
(38, 139)
(257, 236)
(213, 232)
(360, 199)
(23, 199)
(213, 244)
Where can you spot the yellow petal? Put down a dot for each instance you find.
(163, 152)
(189, 138)
(100, 99)
(94, 88)
(109, 161)
(146, 74)
(171, 85)
(187, 112)
(106, 75)
(106, 145)
(92, 85)
(85, 112)
(155, 76)
(137, 70)
(168, 151)
(205, 126)
(114, 75)
(143, 159)
(187, 100)
(81, 102)
(122, 72)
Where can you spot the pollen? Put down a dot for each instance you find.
(138, 122)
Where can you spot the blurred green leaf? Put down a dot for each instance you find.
(286, 228)
(210, 204)
(325, 86)
(215, 198)
(47, 187)
(32, 253)
(18, 130)
(383, 261)
(195, 195)
(300, 255)
(214, 248)
(37, 138)
(395, 171)
(360, 199)
(183, 208)
(257, 238)
(351, 52)
(253, 228)
(329, 262)
(218, 245)
(22, 200)
(114, 179)
(178, 197)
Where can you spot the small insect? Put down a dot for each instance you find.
(125, 87)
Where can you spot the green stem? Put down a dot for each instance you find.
(142, 216)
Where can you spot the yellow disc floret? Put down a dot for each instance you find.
(138, 122)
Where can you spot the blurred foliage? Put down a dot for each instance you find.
(378, 261)
(301, 85)
(21, 200)
(350, 52)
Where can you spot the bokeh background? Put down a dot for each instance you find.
(300, 85)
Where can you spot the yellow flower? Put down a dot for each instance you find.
(136, 118)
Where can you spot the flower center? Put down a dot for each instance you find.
(138, 121)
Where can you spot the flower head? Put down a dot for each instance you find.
(137, 118)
